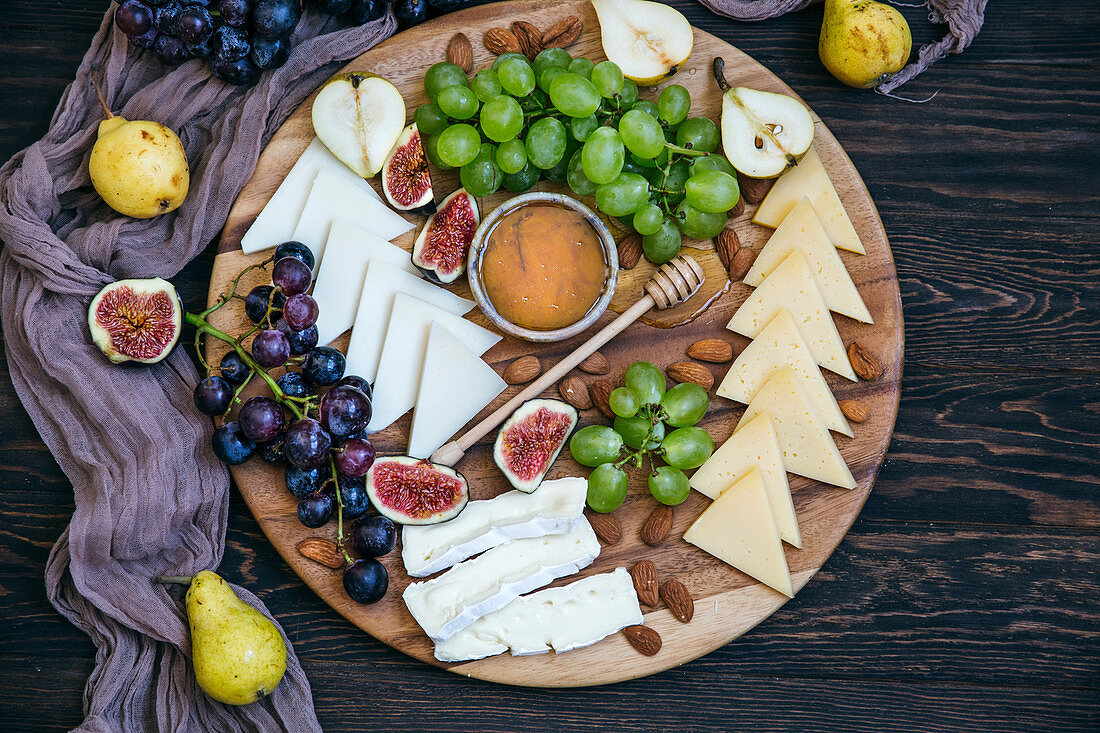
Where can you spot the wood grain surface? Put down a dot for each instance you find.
(965, 595)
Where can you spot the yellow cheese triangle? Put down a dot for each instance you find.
(809, 179)
(778, 345)
(802, 230)
(808, 450)
(738, 530)
(790, 286)
(753, 446)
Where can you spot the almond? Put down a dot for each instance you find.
(685, 371)
(595, 363)
(715, 351)
(501, 40)
(753, 190)
(854, 410)
(657, 527)
(461, 53)
(529, 37)
(606, 527)
(522, 370)
(863, 362)
(565, 32)
(678, 600)
(323, 551)
(644, 575)
(600, 392)
(741, 264)
(574, 392)
(646, 640)
(738, 208)
(726, 245)
(630, 251)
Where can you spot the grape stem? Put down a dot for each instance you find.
(685, 151)
(339, 510)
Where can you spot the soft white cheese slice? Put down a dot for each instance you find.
(280, 214)
(562, 619)
(554, 509)
(380, 285)
(403, 352)
(446, 604)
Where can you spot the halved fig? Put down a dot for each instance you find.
(531, 439)
(359, 116)
(405, 177)
(136, 320)
(413, 491)
(443, 245)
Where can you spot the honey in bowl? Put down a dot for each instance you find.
(543, 267)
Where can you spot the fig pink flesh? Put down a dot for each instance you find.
(417, 490)
(529, 445)
(142, 325)
(451, 231)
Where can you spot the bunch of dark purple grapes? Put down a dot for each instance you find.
(238, 38)
(414, 12)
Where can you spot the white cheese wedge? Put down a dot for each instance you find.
(738, 530)
(808, 449)
(780, 344)
(562, 619)
(791, 286)
(450, 602)
(381, 284)
(331, 198)
(753, 447)
(402, 361)
(809, 179)
(280, 214)
(802, 230)
(554, 509)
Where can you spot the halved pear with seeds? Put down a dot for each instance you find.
(359, 116)
(649, 41)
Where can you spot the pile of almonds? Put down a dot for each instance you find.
(525, 38)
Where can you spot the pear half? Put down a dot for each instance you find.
(649, 41)
(763, 133)
(359, 116)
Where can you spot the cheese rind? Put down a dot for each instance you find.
(574, 616)
(450, 602)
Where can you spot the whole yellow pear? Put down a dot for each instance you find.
(238, 655)
(863, 41)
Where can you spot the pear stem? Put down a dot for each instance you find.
(169, 579)
(718, 66)
(99, 93)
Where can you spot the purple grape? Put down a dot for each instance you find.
(300, 341)
(323, 366)
(255, 303)
(133, 18)
(298, 251)
(445, 6)
(291, 276)
(270, 348)
(234, 12)
(373, 536)
(241, 72)
(410, 12)
(230, 44)
(355, 457)
(170, 49)
(316, 509)
(270, 54)
(275, 19)
(351, 380)
(230, 445)
(366, 580)
(300, 311)
(344, 410)
(307, 444)
(353, 496)
(146, 39)
(364, 11)
(165, 16)
(302, 481)
(261, 419)
(234, 368)
(293, 384)
(272, 452)
(194, 25)
(333, 7)
(213, 395)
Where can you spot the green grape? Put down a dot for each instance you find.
(658, 162)
(607, 77)
(647, 163)
(674, 104)
(677, 176)
(549, 74)
(501, 118)
(442, 75)
(511, 156)
(622, 196)
(687, 447)
(641, 134)
(581, 127)
(663, 244)
(624, 402)
(634, 430)
(558, 172)
(459, 144)
(685, 404)
(575, 177)
(595, 445)
(430, 119)
(486, 85)
(458, 102)
(504, 57)
(516, 76)
(523, 180)
(629, 94)
(602, 155)
(648, 218)
(582, 67)
(697, 133)
(712, 191)
(669, 485)
(644, 105)
(574, 95)
(655, 176)
(546, 140)
(647, 381)
(607, 487)
(482, 176)
(698, 224)
(552, 57)
(431, 150)
(629, 166)
(712, 162)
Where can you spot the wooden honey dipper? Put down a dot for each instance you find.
(672, 284)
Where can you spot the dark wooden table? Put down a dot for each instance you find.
(966, 596)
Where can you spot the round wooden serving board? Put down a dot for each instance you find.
(727, 602)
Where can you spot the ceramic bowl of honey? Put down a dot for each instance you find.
(543, 267)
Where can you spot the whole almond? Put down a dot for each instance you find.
(678, 600)
(461, 53)
(741, 264)
(646, 640)
(630, 251)
(574, 392)
(600, 392)
(644, 575)
(686, 371)
(606, 527)
(501, 40)
(726, 245)
(715, 351)
(529, 37)
(657, 527)
(854, 410)
(323, 551)
(522, 370)
(738, 208)
(595, 363)
(753, 190)
(863, 362)
(563, 33)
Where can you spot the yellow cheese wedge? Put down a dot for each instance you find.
(790, 286)
(738, 530)
(808, 449)
(778, 345)
(809, 179)
(802, 230)
(753, 447)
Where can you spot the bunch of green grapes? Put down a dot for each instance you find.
(581, 123)
(644, 413)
